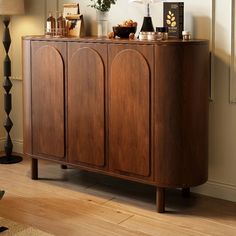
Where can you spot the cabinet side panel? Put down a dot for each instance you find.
(181, 119)
(86, 107)
(129, 113)
(48, 101)
(27, 129)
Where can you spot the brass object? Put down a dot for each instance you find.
(111, 35)
(131, 36)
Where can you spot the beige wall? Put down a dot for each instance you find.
(31, 23)
(199, 17)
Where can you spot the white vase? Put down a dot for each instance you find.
(102, 23)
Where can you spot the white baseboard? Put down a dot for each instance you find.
(218, 190)
(211, 188)
(17, 145)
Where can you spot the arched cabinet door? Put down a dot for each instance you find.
(130, 110)
(86, 105)
(48, 73)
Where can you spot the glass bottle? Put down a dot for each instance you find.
(61, 25)
(50, 25)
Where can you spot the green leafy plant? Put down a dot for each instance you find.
(102, 5)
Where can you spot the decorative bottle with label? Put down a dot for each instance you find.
(50, 25)
(61, 25)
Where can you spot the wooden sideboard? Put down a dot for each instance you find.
(136, 110)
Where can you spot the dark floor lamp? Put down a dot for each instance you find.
(147, 20)
(7, 9)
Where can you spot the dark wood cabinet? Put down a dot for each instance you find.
(137, 110)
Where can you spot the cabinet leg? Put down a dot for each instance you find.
(34, 169)
(64, 167)
(160, 199)
(185, 192)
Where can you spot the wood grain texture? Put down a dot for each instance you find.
(181, 111)
(77, 203)
(27, 106)
(117, 41)
(129, 111)
(86, 106)
(48, 119)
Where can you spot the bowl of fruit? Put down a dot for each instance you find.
(125, 29)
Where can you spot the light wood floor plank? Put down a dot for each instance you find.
(159, 228)
(71, 202)
(195, 220)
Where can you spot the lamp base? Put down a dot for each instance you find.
(3, 228)
(7, 85)
(147, 24)
(10, 159)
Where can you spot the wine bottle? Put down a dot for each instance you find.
(61, 25)
(50, 25)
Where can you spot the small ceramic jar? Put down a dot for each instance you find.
(142, 36)
(165, 35)
(162, 33)
(152, 36)
(186, 35)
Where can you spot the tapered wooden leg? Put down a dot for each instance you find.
(185, 192)
(64, 166)
(34, 169)
(160, 199)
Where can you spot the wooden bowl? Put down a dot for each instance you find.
(124, 32)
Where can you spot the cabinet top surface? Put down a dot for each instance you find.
(116, 40)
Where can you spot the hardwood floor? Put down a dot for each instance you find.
(70, 202)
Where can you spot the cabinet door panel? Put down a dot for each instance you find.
(48, 101)
(86, 106)
(129, 112)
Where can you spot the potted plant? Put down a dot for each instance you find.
(102, 7)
